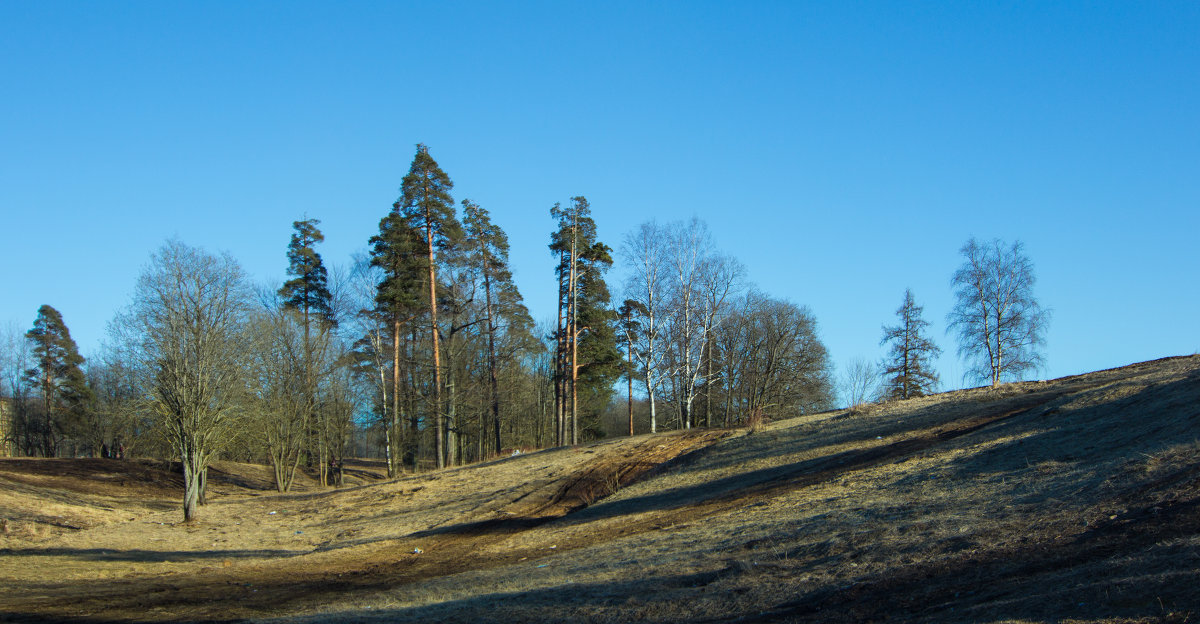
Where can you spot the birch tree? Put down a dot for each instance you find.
(645, 249)
(999, 323)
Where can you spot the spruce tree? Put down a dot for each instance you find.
(58, 376)
(908, 369)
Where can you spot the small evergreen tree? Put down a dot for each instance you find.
(908, 369)
(57, 376)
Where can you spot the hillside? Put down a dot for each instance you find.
(1074, 499)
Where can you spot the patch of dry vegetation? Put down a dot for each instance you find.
(1077, 499)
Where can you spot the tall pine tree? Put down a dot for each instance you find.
(398, 251)
(587, 359)
(426, 203)
(908, 369)
(57, 376)
(503, 307)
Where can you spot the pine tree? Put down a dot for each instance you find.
(628, 315)
(397, 251)
(307, 294)
(908, 370)
(502, 301)
(588, 361)
(426, 203)
(308, 290)
(58, 375)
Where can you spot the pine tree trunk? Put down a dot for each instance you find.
(413, 440)
(573, 324)
(451, 415)
(395, 469)
(560, 369)
(493, 380)
(438, 418)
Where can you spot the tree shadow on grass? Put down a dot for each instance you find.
(1093, 441)
(138, 555)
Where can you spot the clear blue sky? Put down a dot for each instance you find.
(842, 150)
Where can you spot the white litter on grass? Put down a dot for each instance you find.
(270, 513)
(417, 551)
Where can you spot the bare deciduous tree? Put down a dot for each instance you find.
(186, 320)
(15, 435)
(721, 277)
(999, 323)
(773, 364)
(279, 390)
(860, 382)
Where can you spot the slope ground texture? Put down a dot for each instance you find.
(1068, 500)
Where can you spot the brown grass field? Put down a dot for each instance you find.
(1073, 500)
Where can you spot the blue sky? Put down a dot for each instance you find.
(843, 151)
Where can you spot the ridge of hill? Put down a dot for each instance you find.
(1076, 499)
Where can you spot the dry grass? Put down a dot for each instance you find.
(1071, 500)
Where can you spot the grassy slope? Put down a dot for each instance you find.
(1070, 499)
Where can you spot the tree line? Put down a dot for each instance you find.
(423, 353)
